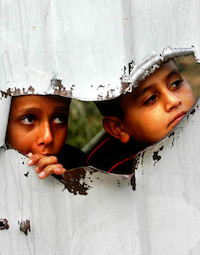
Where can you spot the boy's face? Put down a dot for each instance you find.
(157, 104)
(38, 124)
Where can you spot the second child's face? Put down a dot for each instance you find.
(38, 124)
(157, 104)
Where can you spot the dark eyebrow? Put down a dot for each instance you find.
(173, 72)
(61, 108)
(29, 110)
(33, 110)
(142, 91)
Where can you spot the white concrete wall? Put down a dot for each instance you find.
(162, 216)
(87, 46)
(99, 213)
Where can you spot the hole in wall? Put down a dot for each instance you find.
(85, 122)
(190, 69)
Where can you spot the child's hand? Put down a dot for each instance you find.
(45, 165)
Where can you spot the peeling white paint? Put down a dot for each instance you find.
(5, 102)
(82, 50)
(161, 216)
(89, 47)
(151, 63)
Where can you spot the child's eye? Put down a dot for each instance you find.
(60, 119)
(150, 100)
(28, 119)
(176, 84)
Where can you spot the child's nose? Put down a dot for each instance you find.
(171, 101)
(45, 134)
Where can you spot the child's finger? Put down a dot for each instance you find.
(29, 154)
(52, 169)
(34, 158)
(46, 161)
(49, 168)
(42, 160)
(59, 171)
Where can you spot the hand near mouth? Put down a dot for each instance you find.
(45, 165)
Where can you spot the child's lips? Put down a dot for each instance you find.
(177, 118)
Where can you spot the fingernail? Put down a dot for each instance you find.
(29, 154)
(41, 175)
(58, 169)
(30, 162)
(37, 170)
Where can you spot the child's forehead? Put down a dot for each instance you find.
(39, 99)
(166, 70)
(22, 103)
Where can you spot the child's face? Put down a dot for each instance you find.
(38, 124)
(157, 105)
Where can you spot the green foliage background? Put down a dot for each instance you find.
(85, 121)
(191, 71)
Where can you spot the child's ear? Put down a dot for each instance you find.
(115, 128)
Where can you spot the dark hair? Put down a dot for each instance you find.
(111, 107)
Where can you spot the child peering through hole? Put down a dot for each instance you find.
(133, 121)
(139, 119)
(37, 127)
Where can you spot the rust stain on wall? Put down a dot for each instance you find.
(17, 92)
(172, 134)
(26, 174)
(74, 181)
(4, 224)
(133, 182)
(59, 89)
(24, 226)
(192, 112)
(157, 157)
